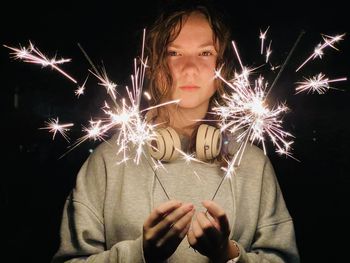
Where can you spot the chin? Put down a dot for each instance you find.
(189, 103)
(186, 102)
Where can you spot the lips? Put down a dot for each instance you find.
(189, 87)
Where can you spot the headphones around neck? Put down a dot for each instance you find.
(166, 142)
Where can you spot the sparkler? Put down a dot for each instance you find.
(246, 114)
(124, 114)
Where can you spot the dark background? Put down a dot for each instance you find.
(35, 180)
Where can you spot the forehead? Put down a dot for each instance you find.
(195, 29)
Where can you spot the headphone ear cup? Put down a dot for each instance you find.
(208, 142)
(163, 146)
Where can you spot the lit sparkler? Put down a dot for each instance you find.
(246, 114)
(124, 115)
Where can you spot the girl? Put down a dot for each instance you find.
(119, 212)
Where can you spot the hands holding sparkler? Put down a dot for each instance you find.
(170, 222)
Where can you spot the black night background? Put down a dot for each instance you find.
(35, 180)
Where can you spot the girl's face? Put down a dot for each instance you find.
(192, 59)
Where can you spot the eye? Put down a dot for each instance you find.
(172, 53)
(206, 53)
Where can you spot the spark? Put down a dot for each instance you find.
(109, 85)
(263, 37)
(81, 89)
(54, 127)
(318, 51)
(190, 157)
(268, 52)
(147, 95)
(33, 55)
(318, 83)
(274, 67)
(157, 164)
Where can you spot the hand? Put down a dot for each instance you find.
(165, 228)
(209, 234)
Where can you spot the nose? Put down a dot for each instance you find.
(190, 66)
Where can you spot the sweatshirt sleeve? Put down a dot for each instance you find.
(82, 233)
(274, 239)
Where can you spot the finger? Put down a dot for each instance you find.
(178, 231)
(200, 241)
(210, 231)
(160, 212)
(171, 219)
(180, 228)
(191, 238)
(187, 228)
(219, 216)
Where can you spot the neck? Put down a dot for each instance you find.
(184, 120)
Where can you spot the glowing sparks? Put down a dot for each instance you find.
(188, 158)
(33, 55)
(247, 116)
(81, 89)
(318, 83)
(268, 52)
(54, 127)
(329, 41)
(263, 37)
(124, 117)
(109, 85)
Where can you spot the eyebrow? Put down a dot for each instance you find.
(211, 45)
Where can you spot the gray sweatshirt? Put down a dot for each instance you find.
(104, 214)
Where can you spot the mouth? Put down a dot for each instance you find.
(189, 87)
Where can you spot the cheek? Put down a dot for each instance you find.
(209, 68)
(174, 68)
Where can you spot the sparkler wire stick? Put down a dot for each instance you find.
(285, 62)
(88, 58)
(97, 74)
(159, 181)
